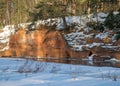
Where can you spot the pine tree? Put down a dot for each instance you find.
(50, 9)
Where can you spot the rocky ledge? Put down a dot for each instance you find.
(47, 45)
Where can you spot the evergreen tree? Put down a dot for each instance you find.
(54, 9)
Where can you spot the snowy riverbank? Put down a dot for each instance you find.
(20, 72)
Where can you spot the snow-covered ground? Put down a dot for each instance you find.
(20, 72)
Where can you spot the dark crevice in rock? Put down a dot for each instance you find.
(90, 53)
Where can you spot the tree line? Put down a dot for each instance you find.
(15, 11)
(21, 11)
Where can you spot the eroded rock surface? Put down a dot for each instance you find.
(41, 44)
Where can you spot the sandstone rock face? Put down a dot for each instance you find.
(104, 54)
(117, 42)
(41, 44)
(113, 52)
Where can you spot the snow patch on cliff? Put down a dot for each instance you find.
(102, 35)
(5, 35)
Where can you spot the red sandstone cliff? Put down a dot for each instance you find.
(41, 43)
(45, 43)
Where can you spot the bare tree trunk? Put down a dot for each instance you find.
(71, 6)
(118, 3)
